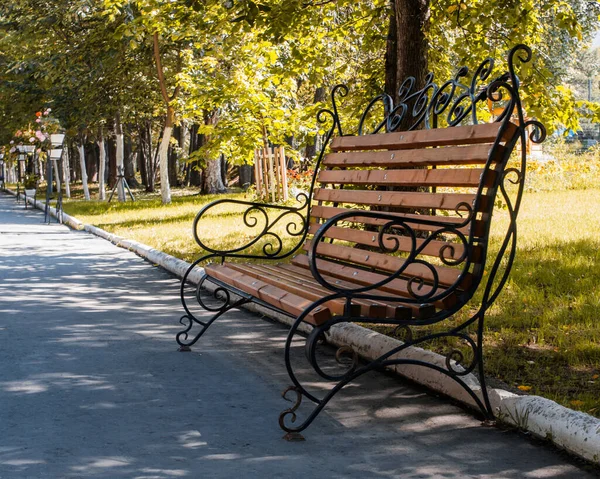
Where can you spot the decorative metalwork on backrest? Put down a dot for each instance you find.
(456, 101)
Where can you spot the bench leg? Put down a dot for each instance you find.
(224, 303)
(182, 336)
(448, 366)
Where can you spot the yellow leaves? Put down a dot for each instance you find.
(576, 403)
(595, 376)
(524, 388)
(454, 8)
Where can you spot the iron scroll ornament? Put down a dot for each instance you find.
(255, 218)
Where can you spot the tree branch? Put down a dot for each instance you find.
(160, 71)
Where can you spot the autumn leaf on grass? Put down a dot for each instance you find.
(524, 388)
(576, 403)
(596, 376)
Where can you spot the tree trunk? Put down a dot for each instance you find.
(67, 170)
(408, 26)
(163, 155)
(84, 178)
(142, 157)
(129, 160)
(120, 157)
(196, 141)
(102, 169)
(56, 174)
(92, 162)
(213, 179)
(112, 161)
(173, 160)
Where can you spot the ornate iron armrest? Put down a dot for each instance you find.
(388, 242)
(256, 219)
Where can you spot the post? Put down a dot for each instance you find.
(48, 189)
(258, 173)
(284, 182)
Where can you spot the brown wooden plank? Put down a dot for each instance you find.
(270, 294)
(310, 289)
(448, 156)
(373, 309)
(403, 199)
(459, 135)
(326, 212)
(371, 238)
(361, 277)
(446, 276)
(456, 177)
(299, 288)
(365, 307)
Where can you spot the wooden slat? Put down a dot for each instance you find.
(371, 238)
(277, 297)
(326, 212)
(457, 177)
(446, 276)
(364, 307)
(459, 135)
(312, 290)
(404, 199)
(298, 288)
(333, 272)
(452, 155)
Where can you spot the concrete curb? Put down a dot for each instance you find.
(574, 431)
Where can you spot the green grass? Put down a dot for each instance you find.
(543, 333)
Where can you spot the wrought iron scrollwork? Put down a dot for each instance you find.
(461, 100)
(388, 242)
(261, 227)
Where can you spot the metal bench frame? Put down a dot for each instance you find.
(453, 102)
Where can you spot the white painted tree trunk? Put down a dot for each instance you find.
(102, 172)
(66, 172)
(56, 174)
(214, 180)
(120, 165)
(163, 154)
(84, 177)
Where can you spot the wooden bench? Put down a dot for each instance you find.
(395, 230)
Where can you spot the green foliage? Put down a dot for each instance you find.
(245, 67)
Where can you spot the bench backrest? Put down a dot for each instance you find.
(440, 184)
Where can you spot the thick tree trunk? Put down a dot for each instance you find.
(408, 25)
(214, 180)
(102, 168)
(92, 162)
(84, 178)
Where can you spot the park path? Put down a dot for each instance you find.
(92, 385)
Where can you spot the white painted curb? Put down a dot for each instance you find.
(577, 432)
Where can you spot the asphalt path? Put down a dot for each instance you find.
(92, 385)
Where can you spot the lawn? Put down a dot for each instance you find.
(543, 334)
